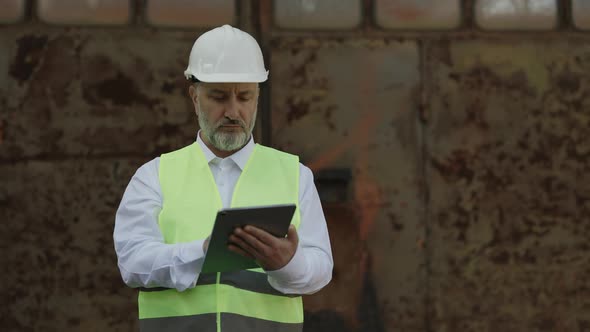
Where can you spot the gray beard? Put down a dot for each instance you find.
(225, 141)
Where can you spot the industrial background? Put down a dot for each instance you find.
(449, 140)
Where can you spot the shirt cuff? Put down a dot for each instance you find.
(291, 273)
(191, 251)
(187, 270)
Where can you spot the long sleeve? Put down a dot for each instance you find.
(310, 269)
(144, 259)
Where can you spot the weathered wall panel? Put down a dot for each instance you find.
(510, 190)
(60, 265)
(318, 14)
(71, 101)
(418, 15)
(82, 93)
(353, 105)
(190, 13)
(12, 11)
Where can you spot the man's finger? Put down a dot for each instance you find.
(239, 251)
(261, 235)
(239, 242)
(251, 240)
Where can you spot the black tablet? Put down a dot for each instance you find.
(274, 219)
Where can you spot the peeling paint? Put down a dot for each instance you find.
(30, 49)
(119, 90)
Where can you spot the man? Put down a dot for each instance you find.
(168, 210)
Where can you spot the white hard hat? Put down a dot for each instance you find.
(226, 54)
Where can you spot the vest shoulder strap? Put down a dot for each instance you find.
(278, 154)
(180, 153)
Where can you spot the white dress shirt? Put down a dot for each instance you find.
(146, 261)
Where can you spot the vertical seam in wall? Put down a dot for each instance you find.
(266, 108)
(565, 19)
(239, 19)
(29, 13)
(423, 118)
(137, 13)
(264, 30)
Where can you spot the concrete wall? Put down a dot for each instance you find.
(453, 160)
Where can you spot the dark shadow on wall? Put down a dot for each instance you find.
(325, 320)
(368, 315)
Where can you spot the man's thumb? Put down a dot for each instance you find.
(292, 234)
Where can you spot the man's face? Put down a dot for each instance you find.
(226, 113)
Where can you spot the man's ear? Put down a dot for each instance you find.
(192, 91)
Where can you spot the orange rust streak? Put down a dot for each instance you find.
(369, 198)
(367, 193)
(364, 127)
(366, 190)
(328, 157)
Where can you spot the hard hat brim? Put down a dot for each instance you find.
(227, 78)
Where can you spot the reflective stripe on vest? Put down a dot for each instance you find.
(206, 323)
(231, 301)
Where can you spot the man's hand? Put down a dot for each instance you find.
(272, 253)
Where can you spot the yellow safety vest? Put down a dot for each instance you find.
(229, 301)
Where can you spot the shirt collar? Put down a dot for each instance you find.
(240, 157)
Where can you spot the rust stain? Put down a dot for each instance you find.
(168, 87)
(301, 72)
(329, 157)
(28, 56)
(60, 62)
(476, 114)
(511, 218)
(297, 109)
(328, 117)
(119, 90)
(394, 221)
(368, 196)
(367, 192)
(456, 166)
(304, 77)
(106, 82)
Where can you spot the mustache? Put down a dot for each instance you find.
(232, 122)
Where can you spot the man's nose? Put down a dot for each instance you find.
(232, 109)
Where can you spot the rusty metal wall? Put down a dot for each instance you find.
(468, 199)
(81, 109)
(350, 104)
(509, 185)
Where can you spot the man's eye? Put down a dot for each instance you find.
(245, 98)
(218, 98)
